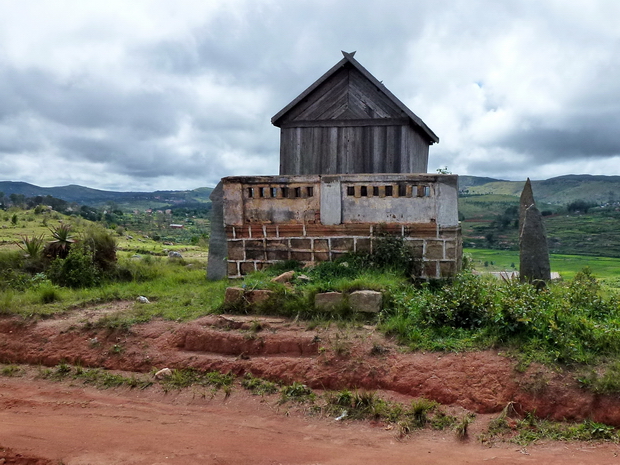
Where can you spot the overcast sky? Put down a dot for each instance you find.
(145, 95)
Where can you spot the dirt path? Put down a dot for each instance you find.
(76, 425)
(69, 424)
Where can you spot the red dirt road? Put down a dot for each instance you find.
(44, 422)
(75, 425)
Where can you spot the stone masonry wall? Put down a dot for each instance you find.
(253, 247)
(320, 217)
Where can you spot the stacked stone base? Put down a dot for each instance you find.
(253, 247)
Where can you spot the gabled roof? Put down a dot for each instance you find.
(348, 58)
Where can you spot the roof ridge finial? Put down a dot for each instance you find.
(348, 55)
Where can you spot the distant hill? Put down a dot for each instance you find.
(560, 190)
(555, 191)
(96, 198)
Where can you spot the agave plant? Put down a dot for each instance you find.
(59, 247)
(33, 246)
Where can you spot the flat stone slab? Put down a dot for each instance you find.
(258, 296)
(328, 301)
(233, 295)
(366, 301)
(284, 277)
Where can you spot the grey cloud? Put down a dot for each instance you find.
(209, 90)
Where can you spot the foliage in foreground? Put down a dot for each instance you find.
(529, 429)
(566, 323)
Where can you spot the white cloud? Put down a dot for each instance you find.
(171, 95)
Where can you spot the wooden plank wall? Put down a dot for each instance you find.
(348, 125)
(352, 149)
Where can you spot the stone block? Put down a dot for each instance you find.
(366, 301)
(284, 277)
(236, 250)
(362, 244)
(321, 245)
(452, 250)
(342, 244)
(328, 301)
(233, 295)
(301, 256)
(255, 254)
(434, 250)
(321, 256)
(301, 244)
(416, 247)
(233, 269)
(258, 296)
(246, 267)
(255, 245)
(276, 245)
(277, 255)
(430, 269)
(447, 269)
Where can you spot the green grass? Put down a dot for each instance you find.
(175, 291)
(569, 323)
(596, 234)
(528, 429)
(604, 268)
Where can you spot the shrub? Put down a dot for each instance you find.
(78, 270)
(49, 294)
(61, 244)
(102, 246)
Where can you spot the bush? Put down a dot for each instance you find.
(102, 246)
(78, 270)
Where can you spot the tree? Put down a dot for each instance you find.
(579, 206)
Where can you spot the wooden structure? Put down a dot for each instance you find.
(353, 163)
(348, 122)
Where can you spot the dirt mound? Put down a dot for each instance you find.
(323, 357)
(77, 424)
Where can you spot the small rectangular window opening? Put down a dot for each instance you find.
(274, 192)
(310, 191)
(284, 192)
(402, 190)
(251, 192)
(350, 190)
(261, 192)
(375, 191)
(298, 192)
(389, 191)
(364, 191)
(427, 191)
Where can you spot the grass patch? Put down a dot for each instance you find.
(567, 323)
(258, 386)
(10, 370)
(186, 377)
(511, 427)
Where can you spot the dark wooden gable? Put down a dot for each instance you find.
(346, 95)
(348, 122)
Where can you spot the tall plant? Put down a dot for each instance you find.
(61, 244)
(33, 246)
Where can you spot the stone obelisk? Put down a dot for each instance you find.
(534, 264)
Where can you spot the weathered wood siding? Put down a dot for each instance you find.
(352, 149)
(348, 125)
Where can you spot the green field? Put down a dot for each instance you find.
(604, 268)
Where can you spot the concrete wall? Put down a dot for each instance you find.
(317, 218)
